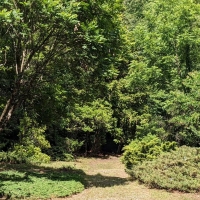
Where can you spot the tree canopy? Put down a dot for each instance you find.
(74, 73)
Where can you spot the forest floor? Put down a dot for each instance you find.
(107, 180)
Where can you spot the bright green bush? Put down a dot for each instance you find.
(11, 157)
(31, 154)
(3, 156)
(24, 154)
(147, 148)
(31, 142)
(176, 170)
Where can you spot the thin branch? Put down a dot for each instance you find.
(34, 51)
(23, 60)
(5, 59)
(15, 4)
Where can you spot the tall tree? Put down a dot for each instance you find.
(165, 48)
(33, 33)
(43, 40)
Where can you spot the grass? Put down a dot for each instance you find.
(109, 181)
(28, 181)
(106, 180)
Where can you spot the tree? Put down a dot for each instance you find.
(33, 33)
(165, 51)
(42, 40)
(56, 55)
(92, 120)
(183, 111)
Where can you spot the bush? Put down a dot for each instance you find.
(64, 149)
(176, 170)
(11, 157)
(147, 148)
(24, 154)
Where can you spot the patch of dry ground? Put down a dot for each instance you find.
(108, 181)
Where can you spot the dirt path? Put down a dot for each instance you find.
(108, 181)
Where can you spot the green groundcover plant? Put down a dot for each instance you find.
(147, 148)
(176, 170)
(40, 183)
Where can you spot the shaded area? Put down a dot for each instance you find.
(22, 181)
(21, 174)
(100, 180)
(63, 173)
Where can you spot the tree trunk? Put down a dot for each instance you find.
(9, 109)
(86, 144)
(96, 146)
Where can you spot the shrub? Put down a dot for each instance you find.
(30, 145)
(64, 149)
(24, 154)
(11, 157)
(147, 148)
(3, 156)
(176, 170)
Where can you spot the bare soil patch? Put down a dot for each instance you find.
(107, 180)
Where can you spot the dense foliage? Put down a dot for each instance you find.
(176, 170)
(149, 148)
(74, 73)
(57, 58)
(163, 85)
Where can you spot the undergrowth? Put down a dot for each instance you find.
(39, 182)
(176, 170)
(147, 148)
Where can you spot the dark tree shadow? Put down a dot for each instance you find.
(18, 173)
(61, 174)
(55, 174)
(100, 180)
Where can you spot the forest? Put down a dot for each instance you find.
(96, 78)
(89, 77)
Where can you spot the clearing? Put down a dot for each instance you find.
(107, 180)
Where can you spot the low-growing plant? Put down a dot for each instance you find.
(24, 154)
(30, 145)
(40, 182)
(31, 154)
(147, 148)
(176, 170)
